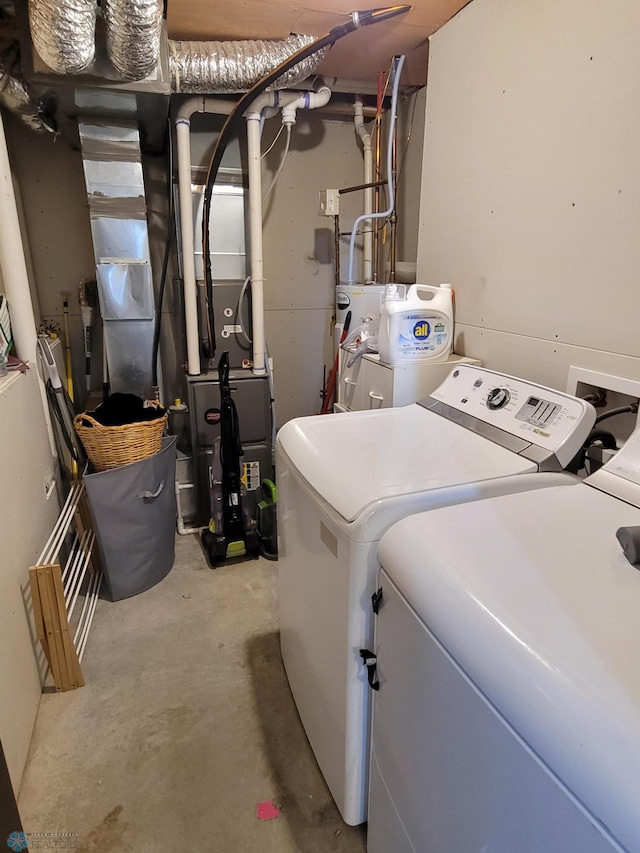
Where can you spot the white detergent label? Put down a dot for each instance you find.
(421, 334)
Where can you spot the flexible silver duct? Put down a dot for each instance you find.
(228, 67)
(14, 95)
(63, 33)
(133, 35)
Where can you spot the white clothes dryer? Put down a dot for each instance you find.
(508, 711)
(343, 481)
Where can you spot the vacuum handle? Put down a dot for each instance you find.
(223, 374)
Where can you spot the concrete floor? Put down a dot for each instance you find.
(186, 722)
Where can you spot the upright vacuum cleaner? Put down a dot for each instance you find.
(231, 532)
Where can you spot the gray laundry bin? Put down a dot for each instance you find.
(134, 518)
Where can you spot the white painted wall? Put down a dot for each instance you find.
(531, 183)
(299, 256)
(25, 523)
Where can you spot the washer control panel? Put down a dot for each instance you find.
(542, 416)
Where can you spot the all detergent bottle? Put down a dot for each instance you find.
(417, 327)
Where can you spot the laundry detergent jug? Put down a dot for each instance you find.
(417, 327)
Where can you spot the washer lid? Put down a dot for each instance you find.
(532, 596)
(353, 460)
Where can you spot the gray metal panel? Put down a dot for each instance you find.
(114, 179)
(260, 453)
(251, 396)
(544, 459)
(226, 229)
(497, 436)
(129, 355)
(227, 325)
(119, 238)
(126, 291)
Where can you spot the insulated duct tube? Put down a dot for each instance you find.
(63, 33)
(229, 67)
(15, 97)
(133, 35)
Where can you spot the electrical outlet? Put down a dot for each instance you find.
(329, 203)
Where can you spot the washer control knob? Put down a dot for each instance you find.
(497, 398)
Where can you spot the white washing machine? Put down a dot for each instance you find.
(343, 481)
(508, 711)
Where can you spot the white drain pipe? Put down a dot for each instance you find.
(290, 102)
(13, 264)
(183, 144)
(367, 151)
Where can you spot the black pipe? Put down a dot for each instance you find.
(358, 20)
(163, 275)
(621, 410)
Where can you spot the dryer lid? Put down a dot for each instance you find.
(533, 598)
(352, 461)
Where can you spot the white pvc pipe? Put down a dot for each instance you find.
(13, 264)
(254, 166)
(183, 145)
(367, 152)
(290, 102)
(305, 101)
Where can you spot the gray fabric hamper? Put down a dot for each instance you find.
(134, 517)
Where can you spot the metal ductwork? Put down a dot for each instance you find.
(133, 35)
(117, 207)
(63, 32)
(228, 67)
(15, 96)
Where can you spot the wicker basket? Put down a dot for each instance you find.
(111, 446)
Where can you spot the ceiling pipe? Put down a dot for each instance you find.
(290, 102)
(63, 33)
(232, 67)
(13, 264)
(133, 30)
(367, 152)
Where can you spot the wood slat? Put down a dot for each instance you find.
(52, 628)
(38, 617)
(71, 658)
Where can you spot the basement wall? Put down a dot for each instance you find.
(531, 184)
(25, 523)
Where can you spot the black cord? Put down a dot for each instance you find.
(165, 266)
(606, 439)
(54, 401)
(621, 410)
(233, 121)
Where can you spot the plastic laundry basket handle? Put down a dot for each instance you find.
(151, 495)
